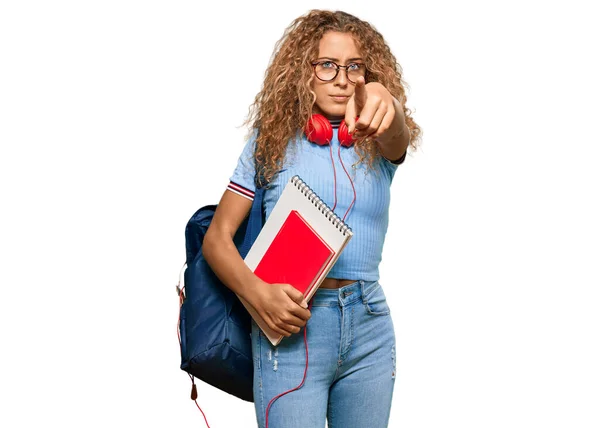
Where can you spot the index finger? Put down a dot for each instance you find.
(351, 117)
(360, 94)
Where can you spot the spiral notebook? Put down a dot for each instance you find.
(298, 245)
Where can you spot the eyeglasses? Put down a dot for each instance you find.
(328, 70)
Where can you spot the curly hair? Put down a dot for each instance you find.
(285, 103)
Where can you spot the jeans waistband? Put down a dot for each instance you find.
(345, 295)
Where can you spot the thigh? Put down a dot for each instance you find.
(281, 368)
(362, 394)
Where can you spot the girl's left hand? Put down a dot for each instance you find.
(381, 116)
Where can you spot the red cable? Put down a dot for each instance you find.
(194, 393)
(301, 383)
(202, 413)
(334, 177)
(351, 183)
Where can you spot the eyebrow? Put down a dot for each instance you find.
(337, 59)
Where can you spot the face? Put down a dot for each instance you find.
(332, 96)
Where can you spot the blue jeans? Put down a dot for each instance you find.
(351, 370)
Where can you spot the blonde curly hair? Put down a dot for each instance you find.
(285, 103)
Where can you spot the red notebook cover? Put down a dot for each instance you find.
(296, 256)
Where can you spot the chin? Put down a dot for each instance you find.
(333, 111)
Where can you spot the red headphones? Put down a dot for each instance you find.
(318, 130)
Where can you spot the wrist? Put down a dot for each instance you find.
(254, 287)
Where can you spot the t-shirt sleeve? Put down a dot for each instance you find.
(242, 180)
(390, 167)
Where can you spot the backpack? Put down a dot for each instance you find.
(214, 326)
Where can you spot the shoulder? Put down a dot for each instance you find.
(242, 181)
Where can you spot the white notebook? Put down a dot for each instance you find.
(298, 244)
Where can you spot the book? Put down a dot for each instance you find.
(298, 245)
(298, 264)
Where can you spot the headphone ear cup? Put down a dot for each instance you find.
(344, 137)
(318, 130)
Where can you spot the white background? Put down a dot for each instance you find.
(118, 119)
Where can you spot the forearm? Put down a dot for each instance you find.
(224, 259)
(395, 146)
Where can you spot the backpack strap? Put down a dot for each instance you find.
(255, 222)
(256, 217)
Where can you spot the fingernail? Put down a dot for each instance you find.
(304, 304)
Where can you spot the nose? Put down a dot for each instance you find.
(342, 77)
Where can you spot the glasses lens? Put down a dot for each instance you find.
(326, 71)
(355, 71)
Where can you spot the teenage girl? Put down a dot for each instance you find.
(335, 71)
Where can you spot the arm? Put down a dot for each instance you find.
(218, 247)
(394, 147)
(279, 305)
(381, 118)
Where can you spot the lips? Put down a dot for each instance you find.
(340, 98)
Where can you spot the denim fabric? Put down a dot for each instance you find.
(351, 370)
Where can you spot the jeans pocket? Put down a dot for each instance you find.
(375, 302)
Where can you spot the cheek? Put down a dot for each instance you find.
(322, 95)
(319, 91)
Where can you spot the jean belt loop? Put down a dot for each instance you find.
(362, 291)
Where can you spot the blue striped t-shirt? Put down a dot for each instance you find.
(368, 217)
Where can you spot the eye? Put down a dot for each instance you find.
(327, 64)
(354, 66)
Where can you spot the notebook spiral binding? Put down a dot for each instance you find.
(322, 206)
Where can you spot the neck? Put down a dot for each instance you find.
(335, 122)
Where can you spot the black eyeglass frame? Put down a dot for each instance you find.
(337, 70)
